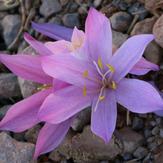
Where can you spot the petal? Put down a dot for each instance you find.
(138, 96)
(37, 45)
(70, 69)
(63, 104)
(26, 66)
(23, 114)
(129, 54)
(143, 66)
(59, 47)
(103, 120)
(51, 136)
(53, 31)
(98, 36)
(159, 113)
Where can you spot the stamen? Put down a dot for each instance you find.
(111, 68)
(43, 87)
(114, 86)
(101, 98)
(84, 91)
(98, 70)
(100, 65)
(85, 74)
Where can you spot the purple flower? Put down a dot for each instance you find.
(98, 79)
(23, 115)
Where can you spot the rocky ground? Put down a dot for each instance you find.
(139, 141)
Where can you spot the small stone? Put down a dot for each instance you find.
(147, 133)
(161, 133)
(120, 21)
(32, 134)
(140, 152)
(50, 7)
(14, 151)
(11, 25)
(153, 53)
(9, 86)
(131, 139)
(137, 123)
(71, 20)
(63, 2)
(82, 119)
(127, 156)
(158, 31)
(97, 3)
(155, 130)
(3, 110)
(144, 27)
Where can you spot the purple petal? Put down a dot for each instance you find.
(143, 67)
(129, 54)
(51, 136)
(98, 36)
(70, 69)
(63, 104)
(26, 66)
(103, 120)
(53, 31)
(23, 114)
(159, 113)
(37, 45)
(138, 96)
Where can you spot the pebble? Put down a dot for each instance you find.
(71, 20)
(120, 21)
(137, 123)
(158, 31)
(12, 151)
(50, 7)
(147, 133)
(140, 152)
(155, 130)
(11, 25)
(97, 3)
(127, 156)
(9, 86)
(161, 133)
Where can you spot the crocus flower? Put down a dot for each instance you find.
(99, 79)
(23, 115)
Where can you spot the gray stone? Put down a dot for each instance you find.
(131, 139)
(11, 25)
(140, 152)
(120, 21)
(82, 119)
(155, 130)
(3, 110)
(14, 151)
(161, 133)
(87, 147)
(9, 86)
(50, 7)
(137, 123)
(71, 20)
(97, 3)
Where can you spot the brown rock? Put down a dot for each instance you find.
(28, 87)
(87, 147)
(144, 27)
(9, 86)
(131, 139)
(12, 151)
(158, 31)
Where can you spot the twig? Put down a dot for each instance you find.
(136, 17)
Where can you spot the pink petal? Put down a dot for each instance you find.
(143, 67)
(37, 45)
(51, 136)
(63, 104)
(23, 114)
(53, 31)
(103, 120)
(26, 66)
(129, 54)
(138, 96)
(70, 69)
(98, 36)
(59, 47)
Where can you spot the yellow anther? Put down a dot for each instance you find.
(114, 86)
(111, 68)
(85, 74)
(101, 98)
(100, 65)
(84, 91)
(43, 87)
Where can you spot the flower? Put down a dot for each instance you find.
(23, 115)
(99, 79)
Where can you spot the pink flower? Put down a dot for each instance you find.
(98, 79)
